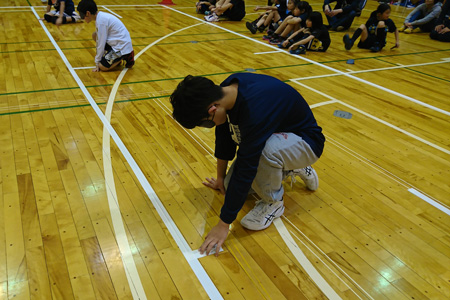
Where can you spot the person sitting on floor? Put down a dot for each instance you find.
(422, 18)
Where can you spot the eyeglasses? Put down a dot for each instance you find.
(208, 123)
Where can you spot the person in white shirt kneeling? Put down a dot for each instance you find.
(112, 37)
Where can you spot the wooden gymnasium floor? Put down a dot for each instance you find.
(77, 145)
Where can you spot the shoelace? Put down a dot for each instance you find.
(293, 180)
(308, 171)
(260, 209)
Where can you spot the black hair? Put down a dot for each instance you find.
(316, 19)
(191, 99)
(303, 5)
(87, 6)
(380, 9)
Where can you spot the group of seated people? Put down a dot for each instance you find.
(295, 26)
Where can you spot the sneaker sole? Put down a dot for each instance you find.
(278, 213)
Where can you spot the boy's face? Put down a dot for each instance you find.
(385, 15)
(290, 5)
(86, 17)
(297, 12)
(308, 23)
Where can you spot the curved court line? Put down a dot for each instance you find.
(315, 276)
(304, 262)
(446, 151)
(322, 66)
(190, 256)
(324, 254)
(373, 165)
(116, 216)
(129, 265)
(183, 245)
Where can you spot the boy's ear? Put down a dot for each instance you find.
(212, 109)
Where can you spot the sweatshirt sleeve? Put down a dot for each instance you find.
(434, 13)
(445, 10)
(245, 168)
(352, 7)
(225, 146)
(102, 32)
(416, 10)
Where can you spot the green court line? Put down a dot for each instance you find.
(231, 72)
(381, 56)
(39, 91)
(215, 74)
(143, 45)
(416, 71)
(78, 105)
(134, 38)
(146, 81)
(42, 109)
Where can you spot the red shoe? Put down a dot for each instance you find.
(129, 59)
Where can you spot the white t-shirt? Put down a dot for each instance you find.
(111, 31)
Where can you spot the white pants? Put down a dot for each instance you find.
(282, 153)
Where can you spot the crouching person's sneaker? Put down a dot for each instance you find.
(308, 175)
(129, 60)
(263, 214)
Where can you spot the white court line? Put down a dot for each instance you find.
(267, 52)
(430, 201)
(190, 255)
(317, 278)
(399, 66)
(83, 68)
(114, 207)
(210, 288)
(321, 65)
(304, 262)
(126, 256)
(322, 103)
(377, 119)
(117, 15)
(329, 259)
(204, 146)
(435, 203)
(441, 206)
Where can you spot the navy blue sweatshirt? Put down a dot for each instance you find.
(346, 5)
(264, 105)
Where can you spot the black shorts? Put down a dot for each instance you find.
(234, 14)
(370, 42)
(110, 57)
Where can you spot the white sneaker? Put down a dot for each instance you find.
(262, 215)
(308, 175)
(212, 18)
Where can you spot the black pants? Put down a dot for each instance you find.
(439, 36)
